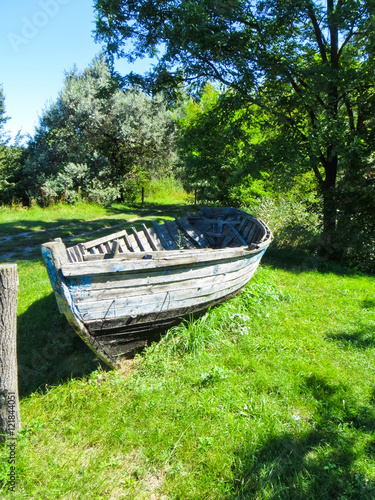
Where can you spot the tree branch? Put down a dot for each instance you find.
(350, 114)
(318, 33)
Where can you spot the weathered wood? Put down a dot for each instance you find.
(130, 285)
(138, 240)
(149, 238)
(161, 237)
(130, 306)
(214, 278)
(122, 324)
(195, 236)
(168, 242)
(238, 236)
(115, 247)
(120, 264)
(176, 235)
(229, 237)
(9, 406)
(156, 239)
(103, 239)
(249, 236)
(54, 255)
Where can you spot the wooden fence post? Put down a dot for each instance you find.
(9, 407)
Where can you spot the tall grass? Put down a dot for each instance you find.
(169, 190)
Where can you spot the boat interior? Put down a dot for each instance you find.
(212, 228)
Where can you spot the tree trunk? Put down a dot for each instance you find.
(9, 407)
(329, 208)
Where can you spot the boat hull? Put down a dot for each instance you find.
(119, 305)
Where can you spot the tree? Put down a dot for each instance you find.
(308, 64)
(3, 117)
(217, 146)
(97, 139)
(11, 159)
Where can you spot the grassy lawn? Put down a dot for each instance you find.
(269, 396)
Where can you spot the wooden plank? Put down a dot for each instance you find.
(115, 247)
(82, 249)
(123, 248)
(127, 241)
(75, 254)
(178, 236)
(154, 277)
(119, 264)
(250, 236)
(174, 233)
(242, 227)
(160, 235)
(164, 237)
(150, 319)
(156, 239)
(110, 237)
(128, 307)
(191, 232)
(132, 242)
(81, 294)
(144, 241)
(257, 235)
(166, 301)
(107, 245)
(71, 255)
(239, 237)
(149, 238)
(138, 240)
(228, 237)
(247, 230)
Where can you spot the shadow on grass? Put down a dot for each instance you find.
(320, 463)
(25, 243)
(300, 261)
(49, 351)
(362, 339)
(368, 304)
(138, 210)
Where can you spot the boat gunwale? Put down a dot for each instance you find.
(120, 264)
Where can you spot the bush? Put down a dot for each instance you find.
(356, 221)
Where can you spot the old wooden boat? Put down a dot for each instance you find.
(118, 290)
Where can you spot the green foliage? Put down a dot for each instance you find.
(356, 218)
(11, 163)
(308, 66)
(3, 117)
(98, 141)
(11, 160)
(217, 146)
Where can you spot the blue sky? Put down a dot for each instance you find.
(39, 41)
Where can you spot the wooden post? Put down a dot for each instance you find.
(143, 195)
(9, 406)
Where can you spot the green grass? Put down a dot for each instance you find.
(269, 396)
